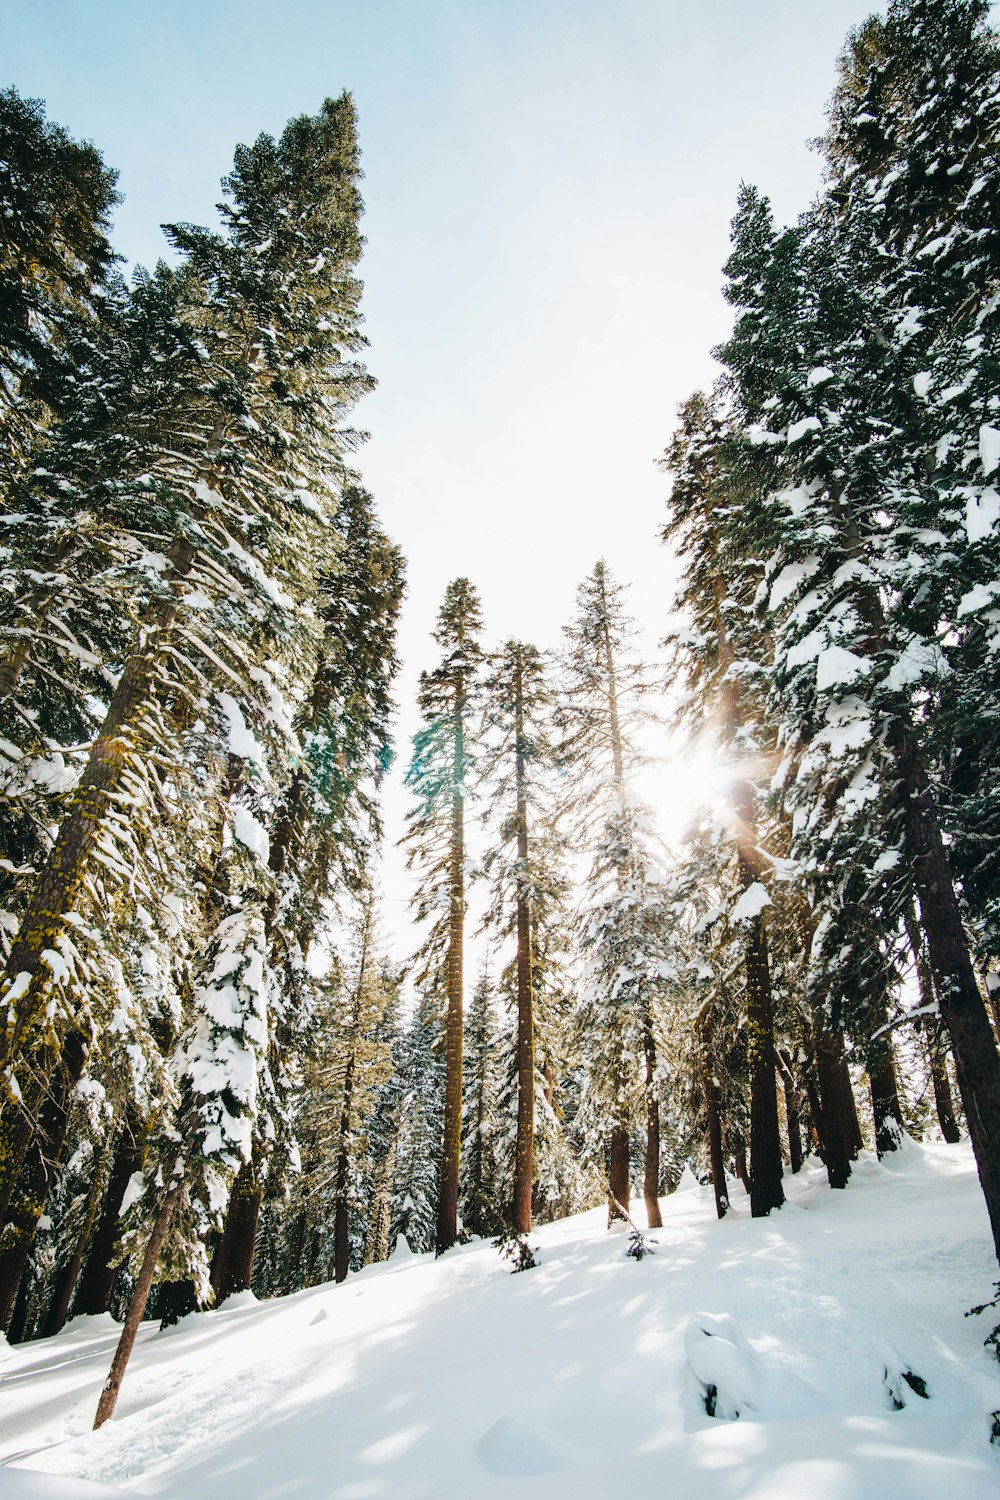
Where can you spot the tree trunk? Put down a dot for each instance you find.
(67, 1281)
(97, 1280)
(341, 1224)
(886, 1110)
(651, 1176)
(714, 1120)
(618, 1174)
(232, 1264)
(836, 1121)
(23, 1215)
(39, 1165)
(944, 1104)
(766, 1190)
(977, 1065)
(791, 1113)
(525, 1148)
(175, 1300)
(136, 1310)
(451, 1146)
(936, 1049)
(740, 1168)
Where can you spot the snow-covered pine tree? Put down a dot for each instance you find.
(621, 928)
(516, 762)
(348, 1065)
(230, 441)
(481, 1191)
(418, 1147)
(723, 661)
(856, 364)
(438, 775)
(56, 198)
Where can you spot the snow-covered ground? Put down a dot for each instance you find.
(439, 1379)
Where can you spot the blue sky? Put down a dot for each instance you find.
(548, 187)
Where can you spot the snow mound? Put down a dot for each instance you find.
(901, 1381)
(723, 1364)
(511, 1448)
(689, 1182)
(245, 1298)
(402, 1250)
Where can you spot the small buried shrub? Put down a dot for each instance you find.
(515, 1248)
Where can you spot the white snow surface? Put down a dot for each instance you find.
(428, 1379)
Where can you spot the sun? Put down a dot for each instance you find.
(676, 787)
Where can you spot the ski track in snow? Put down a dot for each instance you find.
(426, 1380)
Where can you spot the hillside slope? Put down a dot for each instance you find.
(449, 1378)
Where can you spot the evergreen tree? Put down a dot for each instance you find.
(622, 927)
(856, 364)
(236, 432)
(438, 776)
(481, 1190)
(517, 701)
(56, 197)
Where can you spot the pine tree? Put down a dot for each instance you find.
(230, 514)
(418, 1147)
(622, 929)
(856, 362)
(438, 776)
(517, 700)
(56, 197)
(481, 1190)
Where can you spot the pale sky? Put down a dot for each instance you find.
(548, 185)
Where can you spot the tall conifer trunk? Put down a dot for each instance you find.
(651, 1174)
(887, 1112)
(618, 1155)
(835, 1123)
(97, 1279)
(232, 1264)
(977, 1065)
(936, 1051)
(447, 1218)
(136, 1309)
(793, 1121)
(716, 1157)
(524, 1153)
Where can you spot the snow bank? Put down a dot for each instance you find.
(447, 1379)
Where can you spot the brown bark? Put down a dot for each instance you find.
(341, 1226)
(618, 1175)
(136, 1311)
(740, 1168)
(944, 1104)
(766, 1190)
(451, 1145)
(525, 1146)
(651, 1175)
(97, 1280)
(791, 1114)
(977, 1065)
(837, 1118)
(714, 1122)
(232, 1264)
(887, 1112)
(936, 1049)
